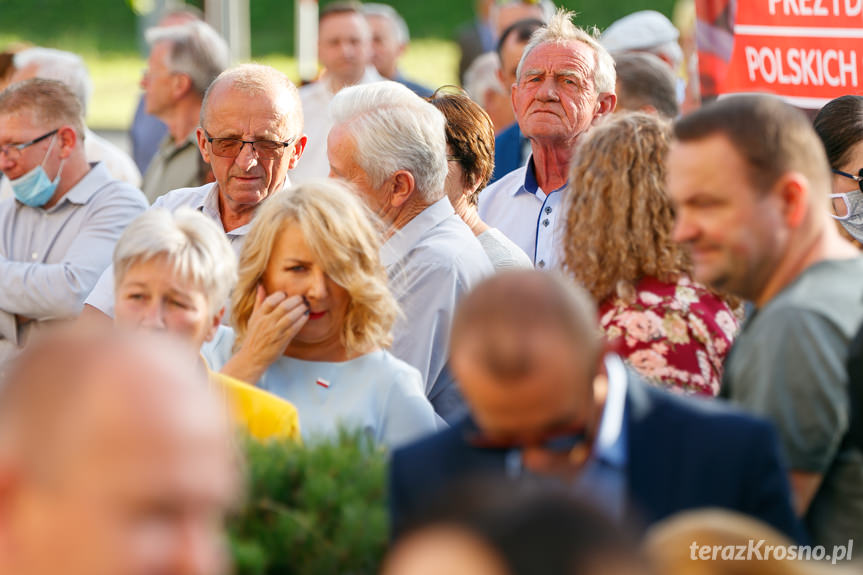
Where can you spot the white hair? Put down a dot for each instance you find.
(398, 23)
(394, 129)
(196, 50)
(58, 65)
(194, 246)
(561, 30)
(481, 77)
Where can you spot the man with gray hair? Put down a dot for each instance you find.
(183, 61)
(564, 84)
(60, 228)
(251, 134)
(391, 145)
(69, 68)
(390, 38)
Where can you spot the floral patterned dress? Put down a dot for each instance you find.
(676, 335)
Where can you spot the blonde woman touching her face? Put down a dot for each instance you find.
(313, 316)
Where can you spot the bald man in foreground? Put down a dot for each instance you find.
(115, 459)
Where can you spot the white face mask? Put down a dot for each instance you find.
(852, 220)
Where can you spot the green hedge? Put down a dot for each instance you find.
(110, 25)
(312, 510)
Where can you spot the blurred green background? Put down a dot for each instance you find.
(105, 33)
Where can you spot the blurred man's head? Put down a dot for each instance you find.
(390, 37)
(114, 458)
(183, 61)
(252, 103)
(504, 14)
(527, 369)
(645, 84)
(511, 46)
(565, 83)
(51, 64)
(344, 43)
(750, 181)
(389, 143)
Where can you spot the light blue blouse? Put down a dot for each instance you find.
(376, 392)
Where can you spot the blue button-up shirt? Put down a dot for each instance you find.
(528, 215)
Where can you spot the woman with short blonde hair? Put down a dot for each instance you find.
(173, 273)
(313, 315)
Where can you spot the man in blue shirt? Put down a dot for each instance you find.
(565, 83)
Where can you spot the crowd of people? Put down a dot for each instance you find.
(593, 335)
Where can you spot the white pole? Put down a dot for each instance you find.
(306, 34)
(231, 19)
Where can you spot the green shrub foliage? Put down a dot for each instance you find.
(312, 510)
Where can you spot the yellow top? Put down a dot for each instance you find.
(263, 414)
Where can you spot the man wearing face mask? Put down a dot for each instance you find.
(59, 230)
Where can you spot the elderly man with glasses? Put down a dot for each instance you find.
(59, 230)
(251, 134)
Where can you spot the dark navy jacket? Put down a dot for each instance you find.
(683, 453)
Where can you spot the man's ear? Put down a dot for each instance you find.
(794, 194)
(67, 138)
(214, 325)
(298, 147)
(181, 84)
(605, 104)
(402, 186)
(202, 144)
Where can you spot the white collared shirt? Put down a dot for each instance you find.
(51, 258)
(431, 262)
(526, 214)
(317, 123)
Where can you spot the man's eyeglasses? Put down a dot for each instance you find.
(13, 151)
(841, 209)
(231, 147)
(560, 441)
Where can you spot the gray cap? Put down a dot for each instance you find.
(640, 30)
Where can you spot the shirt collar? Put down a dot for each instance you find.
(406, 238)
(610, 446)
(87, 186)
(531, 185)
(209, 206)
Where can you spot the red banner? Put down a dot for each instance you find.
(807, 51)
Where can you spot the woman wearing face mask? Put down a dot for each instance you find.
(313, 315)
(840, 126)
(173, 273)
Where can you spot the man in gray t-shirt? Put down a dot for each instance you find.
(750, 182)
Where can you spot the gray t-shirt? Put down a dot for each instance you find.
(789, 365)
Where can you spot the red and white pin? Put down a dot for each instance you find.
(323, 383)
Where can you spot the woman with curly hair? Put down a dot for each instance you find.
(313, 315)
(618, 244)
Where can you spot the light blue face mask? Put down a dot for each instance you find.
(34, 188)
